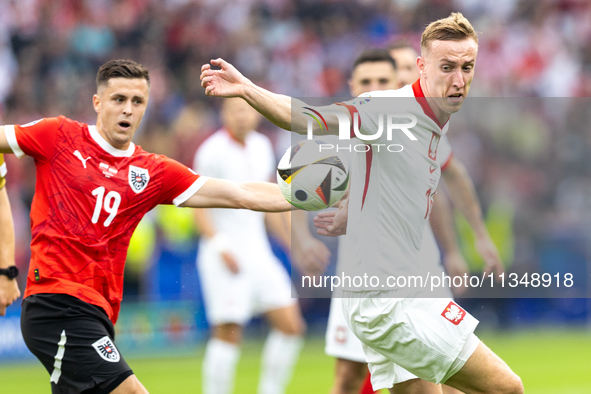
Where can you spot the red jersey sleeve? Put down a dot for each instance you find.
(36, 139)
(180, 183)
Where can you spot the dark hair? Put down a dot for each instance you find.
(122, 68)
(374, 55)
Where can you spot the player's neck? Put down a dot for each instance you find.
(240, 138)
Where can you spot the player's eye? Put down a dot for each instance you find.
(383, 81)
(468, 68)
(446, 68)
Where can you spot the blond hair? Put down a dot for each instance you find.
(453, 28)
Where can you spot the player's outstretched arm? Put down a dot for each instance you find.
(9, 291)
(256, 196)
(283, 111)
(463, 195)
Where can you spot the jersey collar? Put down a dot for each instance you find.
(110, 149)
(420, 97)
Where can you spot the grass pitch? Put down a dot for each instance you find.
(549, 362)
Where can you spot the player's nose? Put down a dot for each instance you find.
(127, 108)
(458, 79)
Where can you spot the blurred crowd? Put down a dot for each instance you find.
(530, 165)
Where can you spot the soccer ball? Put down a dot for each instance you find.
(310, 178)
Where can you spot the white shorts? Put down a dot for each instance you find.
(429, 337)
(340, 340)
(261, 285)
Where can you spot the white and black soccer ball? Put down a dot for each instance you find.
(312, 178)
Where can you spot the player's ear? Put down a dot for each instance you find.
(421, 65)
(350, 83)
(96, 103)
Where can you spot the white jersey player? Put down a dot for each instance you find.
(431, 338)
(239, 273)
(374, 70)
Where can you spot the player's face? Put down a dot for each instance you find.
(406, 65)
(120, 107)
(448, 69)
(370, 76)
(239, 118)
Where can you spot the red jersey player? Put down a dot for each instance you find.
(93, 187)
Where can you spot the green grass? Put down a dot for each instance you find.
(557, 362)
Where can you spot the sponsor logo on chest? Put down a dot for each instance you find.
(108, 171)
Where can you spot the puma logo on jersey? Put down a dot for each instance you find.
(79, 156)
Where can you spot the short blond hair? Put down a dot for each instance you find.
(453, 28)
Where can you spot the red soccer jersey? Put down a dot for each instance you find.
(89, 198)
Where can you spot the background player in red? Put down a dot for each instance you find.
(9, 290)
(93, 187)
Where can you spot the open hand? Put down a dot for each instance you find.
(332, 223)
(227, 82)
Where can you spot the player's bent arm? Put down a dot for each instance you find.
(9, 290)
(256, 196)
(283, 111)
(442, 224)
(463, 195)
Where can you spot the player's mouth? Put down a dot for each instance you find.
(124, 125)
(456, 98)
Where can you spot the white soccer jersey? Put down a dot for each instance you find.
(340, 340)
(221, 156)
(391, 192)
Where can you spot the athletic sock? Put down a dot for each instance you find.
(279, 357)
(219, 366)
(366, 387)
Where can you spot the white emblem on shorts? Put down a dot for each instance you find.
(138, 178)
(107, 350)
(454, 313)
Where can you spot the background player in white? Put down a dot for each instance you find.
(240, 276)
(434, 342)
(9, 290)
